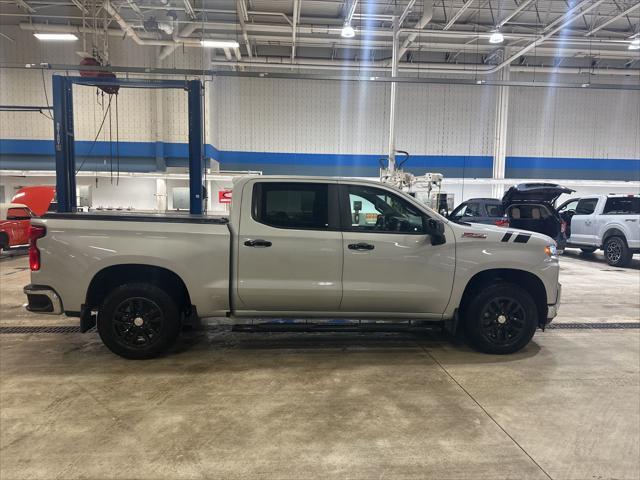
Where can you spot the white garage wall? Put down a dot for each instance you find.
(302, 116)
(145, 115)
(570, 122)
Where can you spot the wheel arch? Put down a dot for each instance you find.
(4, 239)
(527, 280)
(115, 275)
(613, 232)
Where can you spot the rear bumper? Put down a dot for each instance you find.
(43, 299)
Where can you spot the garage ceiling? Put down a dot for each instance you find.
(440, 36)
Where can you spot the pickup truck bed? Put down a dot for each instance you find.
(85, 244)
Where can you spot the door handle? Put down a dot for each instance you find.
(259, 243)
(361, 246)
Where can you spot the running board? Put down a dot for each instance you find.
(339, 327)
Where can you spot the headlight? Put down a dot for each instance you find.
(551, 250)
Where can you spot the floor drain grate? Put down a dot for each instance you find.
(595, 326)
(44, 329)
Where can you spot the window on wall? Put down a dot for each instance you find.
(291, 205)
(377, 211)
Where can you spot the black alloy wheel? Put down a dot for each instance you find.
(500, 318)
(139, 321)
(503, 320)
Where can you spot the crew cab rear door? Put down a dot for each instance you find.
(289, 247)
(390, 264)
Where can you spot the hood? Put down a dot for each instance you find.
(37, 198)
(534, 192)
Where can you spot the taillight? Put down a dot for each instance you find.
(35, 232)
(503, 222)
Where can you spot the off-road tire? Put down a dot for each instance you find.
(617, 252)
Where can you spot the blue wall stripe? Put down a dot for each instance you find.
(136, 156)
(563, 163)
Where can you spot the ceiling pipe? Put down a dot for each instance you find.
(591, 43)
(294, 26)
(128, 29)
(185, 32)
(438, 68)
(243, 16)
(356, 43)
(590, 48)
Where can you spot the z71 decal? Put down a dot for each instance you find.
(473, 235)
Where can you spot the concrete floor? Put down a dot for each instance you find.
(293, 406)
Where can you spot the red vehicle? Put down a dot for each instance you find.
(39, 198)
(14, 225)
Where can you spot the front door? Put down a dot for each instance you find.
(389, 262)
(582, 228)
(289, 247)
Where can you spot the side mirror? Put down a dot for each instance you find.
(435, 229)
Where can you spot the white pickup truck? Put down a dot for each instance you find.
(293, 247)
(607, 222)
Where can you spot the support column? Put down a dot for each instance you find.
(64, 144)
(392, 104)
(161, 195)
(500, 134)
(161, 162)
(196, 150)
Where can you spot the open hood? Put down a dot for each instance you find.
(37, 198)
(534, 193)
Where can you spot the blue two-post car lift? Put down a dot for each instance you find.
(64, 133)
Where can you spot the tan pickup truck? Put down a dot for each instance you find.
(293, 247)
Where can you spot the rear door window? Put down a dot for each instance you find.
(622, 206)
(586, 206)
(302, 206)
(494, 210)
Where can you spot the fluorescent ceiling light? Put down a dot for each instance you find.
(347, 31)
(635, 44)
(219, 43)
(496, 37)
(65, 37)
